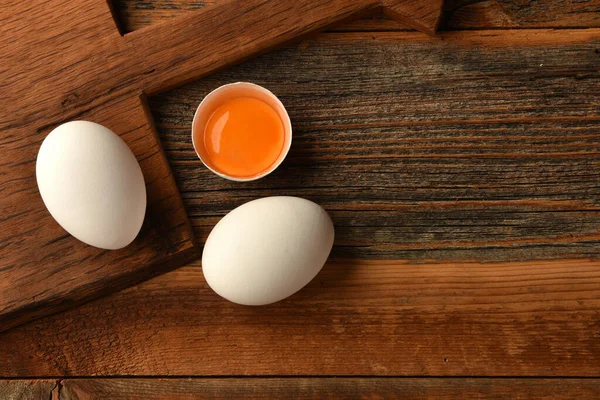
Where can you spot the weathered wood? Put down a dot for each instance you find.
(494, 165)
(458, 14)
(356, 318)
(483, 146)
(28, 390)
(265, 25)
(556, 13)
(330, 388)
(53, 61)
(69, 62)
(420, 15)
(300, 388)
(45, 270)
(467, 14)
(389, 317)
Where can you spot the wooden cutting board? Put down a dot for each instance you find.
(66, 60)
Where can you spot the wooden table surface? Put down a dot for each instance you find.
(462, 174)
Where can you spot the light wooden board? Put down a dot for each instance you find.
(356, 318)
(68, 61)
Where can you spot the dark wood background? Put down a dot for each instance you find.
(473, 158)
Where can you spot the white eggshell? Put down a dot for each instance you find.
(92, 184)
(267, 249)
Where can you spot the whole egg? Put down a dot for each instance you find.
(92, 184)
(267, 249)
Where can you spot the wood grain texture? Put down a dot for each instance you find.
(61, 271)
(66, 64)
(483, 146)
(492, 157)
(333, 388)
(387, 317)
(420, 15)
(468, 14)
(356, 318)
(557, 13)
(51, 56)
(458, 14)
(28, 390)
(300, 388)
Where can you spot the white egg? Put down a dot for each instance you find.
(92, 184)
(267, 249)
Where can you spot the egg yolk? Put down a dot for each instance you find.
(243, 138)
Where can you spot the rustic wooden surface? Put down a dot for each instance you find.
(28, 389)
(49, 77)
(82, 68)
(491, 154)
(305, 388)
(356, 318)
(474, 155)
(458, 14)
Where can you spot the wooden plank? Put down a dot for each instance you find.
(458, 14)
(334, 388)
(300, 388)
(69, 62)
(356, 318)
(266, 25)
(28, 390)
(582, 14)
(63, 271)
(420, 15)
(198, 35)
(50, 72)
(483, 146)
(467, 14)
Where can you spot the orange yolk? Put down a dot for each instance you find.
(243, 138)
